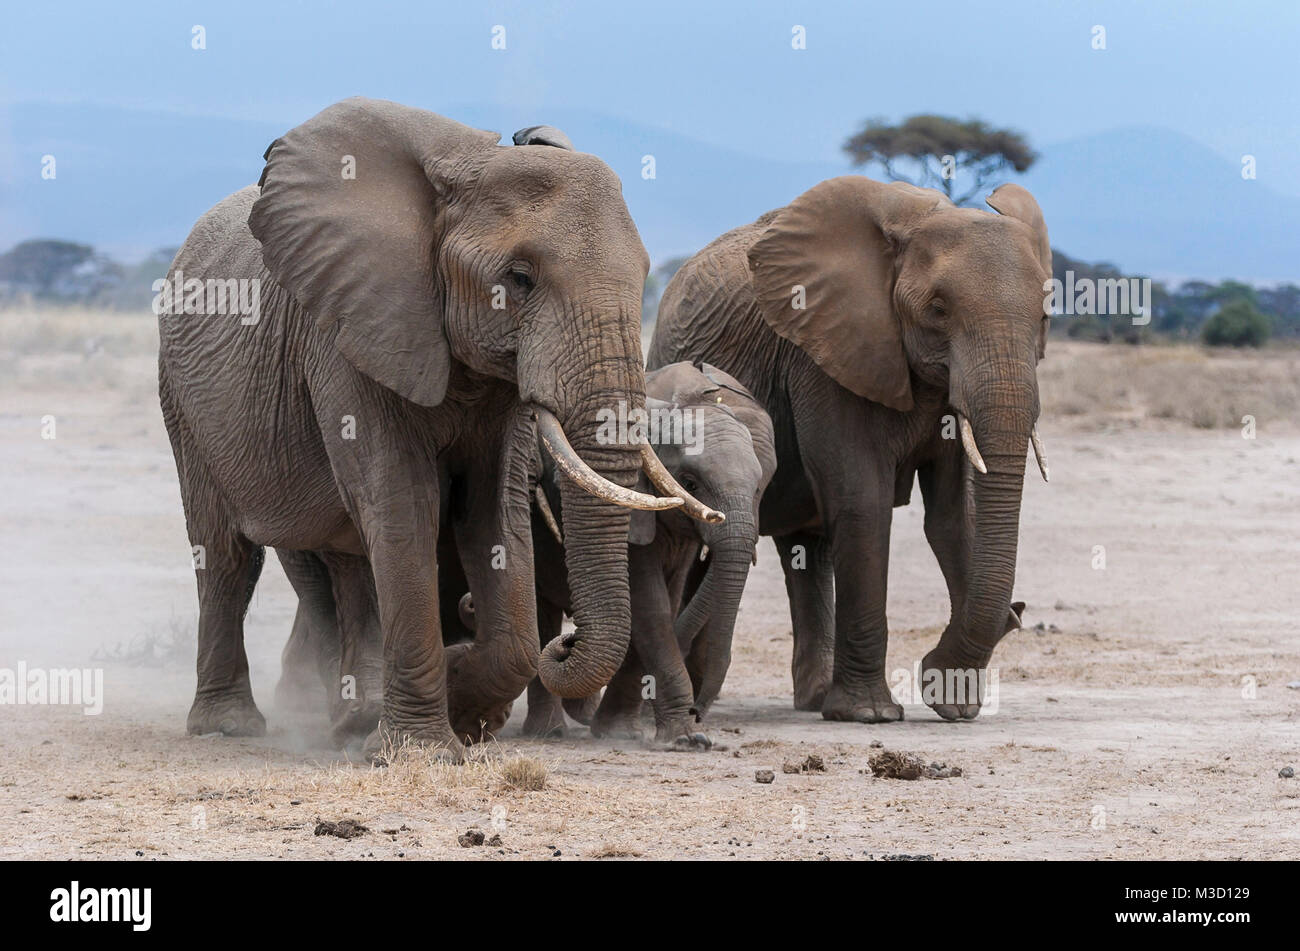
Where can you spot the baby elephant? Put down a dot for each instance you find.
(686, 576)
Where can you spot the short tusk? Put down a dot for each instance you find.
(1040, 453)
(664, 482)
(548, 516)
(968, 443)
(586, 478)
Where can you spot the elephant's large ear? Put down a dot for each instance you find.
(749, 411)
(824, 278)
(349, 219)
(1015, 202)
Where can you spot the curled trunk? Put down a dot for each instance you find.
(580, 663)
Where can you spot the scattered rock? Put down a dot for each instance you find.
(495, 841)
(343, 829)
(470, 837)
(764, 776)
(877, 745)
(1286, 772)
(892, 765)
(811, 764)
(1294, 685)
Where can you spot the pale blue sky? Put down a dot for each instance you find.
(1223, 73)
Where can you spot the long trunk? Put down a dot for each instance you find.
(708, 622)
(595, 554)
(1002, 432)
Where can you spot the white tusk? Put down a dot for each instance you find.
(1040, 453)
(664, 482)
(968, 443)
(548, 516)
(586, 478)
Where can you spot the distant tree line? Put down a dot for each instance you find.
(64, 272)
(1228, 313)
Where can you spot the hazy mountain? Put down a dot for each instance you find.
(1148, 200)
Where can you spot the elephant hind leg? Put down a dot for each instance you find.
(227, 566)
(223, 700)
(810, 585)
(309, 661)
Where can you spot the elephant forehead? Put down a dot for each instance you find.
(570, 201)
(976, 248)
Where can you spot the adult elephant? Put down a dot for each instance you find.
(890, 334)
(427, 301)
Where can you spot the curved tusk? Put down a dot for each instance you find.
(664, 482)
(586, 478)
(548, 516)
(968, 443)
(1040, 454)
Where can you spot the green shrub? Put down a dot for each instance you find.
(1237, 324)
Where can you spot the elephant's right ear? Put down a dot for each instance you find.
(824, 278)
(349, 218)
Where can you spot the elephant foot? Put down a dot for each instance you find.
(582, 709)
(480, 725)
(871, 704)
(231, 714)
(297, 693)
(384, 743)
(811, 696)
(354, 720)
(682, 736)
(544, 722)
(952, 690)
(617, 727)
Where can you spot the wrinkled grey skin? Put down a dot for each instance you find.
(380, 396)
(860, 316)
(683, 609)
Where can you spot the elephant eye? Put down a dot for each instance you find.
(688, 483)
(520, 280)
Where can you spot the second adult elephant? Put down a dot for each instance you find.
(891, 335)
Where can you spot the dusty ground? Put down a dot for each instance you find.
(1126, 723)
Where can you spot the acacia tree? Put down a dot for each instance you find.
(930, 150)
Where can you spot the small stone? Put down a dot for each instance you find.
(877, 745)
(764, 776)
(555, 854)
(1294, 685)
(1286, 772)
(495, 841)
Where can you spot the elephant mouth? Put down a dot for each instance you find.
(589, 480)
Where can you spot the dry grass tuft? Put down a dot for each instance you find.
(525, 773)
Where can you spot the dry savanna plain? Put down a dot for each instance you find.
(1148, 709)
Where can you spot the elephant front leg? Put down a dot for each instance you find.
(414, 665)
(810, 586)
(860, 549)
(654, 645)
(356, 690)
